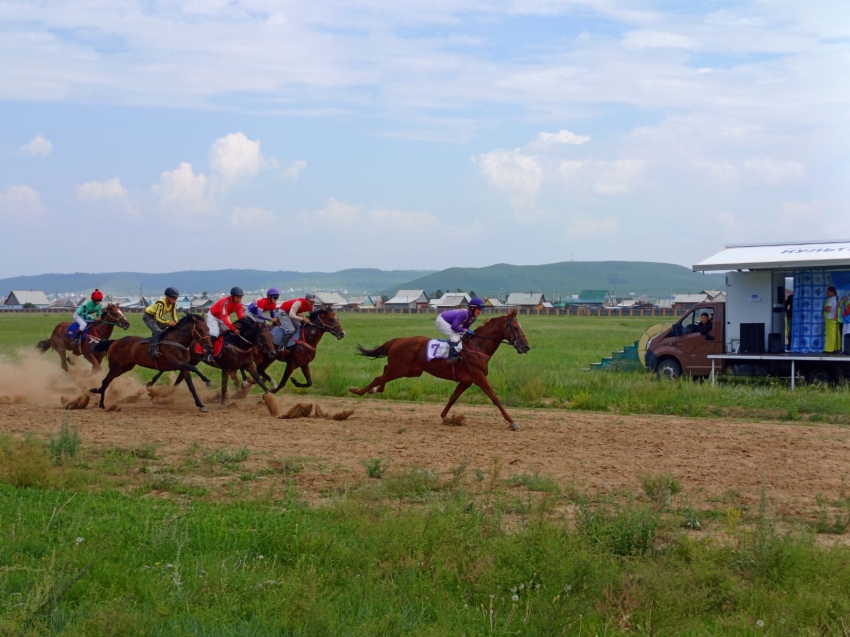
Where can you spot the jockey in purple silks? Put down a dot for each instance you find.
(456, 323)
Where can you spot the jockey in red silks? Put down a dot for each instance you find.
(88, 312)
(456, 323)
(265, 308)
(218, 319)
(292, 313)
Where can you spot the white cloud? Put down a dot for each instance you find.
(96, 190)
(38, 146)
(381, 221)
(336, 213)
(251, 217)
(110, 190)
(605, 178)
(235, 156)
(182, 186)
(801, 218)
(294, 170)
(658, 40)
(773, 172)
(584, 227)
(403, 220)
(561, 137)
(20, 201)
(511, 170)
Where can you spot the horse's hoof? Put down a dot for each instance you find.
(514, 426)
(203, 410)
(353, 390)
(374, 390)
(244, 384)
(273, 385)
(209, 383)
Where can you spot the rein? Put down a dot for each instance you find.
(324, 327)
(510, 341)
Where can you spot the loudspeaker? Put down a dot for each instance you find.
(847, 344)
(752, 338)
(775, 344)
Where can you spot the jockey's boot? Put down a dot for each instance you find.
(454, 354)
(155, 344)
(217, 344)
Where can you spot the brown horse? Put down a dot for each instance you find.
(175, 354)
(406, 359)
(240, 351)
(322, 321)
(101, 329)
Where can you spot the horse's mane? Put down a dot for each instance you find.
(318, 310)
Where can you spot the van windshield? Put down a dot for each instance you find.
(698, 321)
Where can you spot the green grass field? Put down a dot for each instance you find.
(103, 542)
(549, 376)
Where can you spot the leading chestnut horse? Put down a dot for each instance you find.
(406, 358)
(101, 329)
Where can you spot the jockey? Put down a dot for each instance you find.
(265, 309)
(218, 319)
(87, 312)
(292, 313)
(456, 323)
(161, 315)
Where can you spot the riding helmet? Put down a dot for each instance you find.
(172, 292)
(97, 296)
(236, 291)
(476, 302)
(311, 296)
(273, 292)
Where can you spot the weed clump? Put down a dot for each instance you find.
(629, 530)
(375, 467)
(661, 489)
(67, 443)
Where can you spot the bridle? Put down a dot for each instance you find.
(511, 339)
(195, 334)
(109, 312)
(336, 331)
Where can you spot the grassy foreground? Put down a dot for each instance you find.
(106, 543)
(549, 376)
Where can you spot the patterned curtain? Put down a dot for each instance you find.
(807, 311)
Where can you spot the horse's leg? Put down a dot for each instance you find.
(112, 375)
(461, 387)
(63, 354)
(186, 372)
(95, 364)
(290, 367)
(153, 380)
(305, 369)
(261, 370)
(378, 383)
(244, 378)
(225, 376)
(257, 379)
(480, 379)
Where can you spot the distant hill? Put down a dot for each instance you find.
(570, 277)
(194, 281)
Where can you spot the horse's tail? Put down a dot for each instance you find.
(44, 345)
(102, 346)
(378, 352)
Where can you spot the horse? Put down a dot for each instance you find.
(322, 321)
(175, 354)
(406, 358)
(235, 356)
(101, 329)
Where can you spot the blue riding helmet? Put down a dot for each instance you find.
(476, 302)
(273, 292)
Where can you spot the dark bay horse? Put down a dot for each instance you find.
(240, 351)
(100, 329)
(175, 354)
(406, 359)
(322, 321)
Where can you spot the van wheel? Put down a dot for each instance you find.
(819, 375)
(669, 369)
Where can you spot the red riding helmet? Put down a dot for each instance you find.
(97, 296)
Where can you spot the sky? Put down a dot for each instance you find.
(205, 134)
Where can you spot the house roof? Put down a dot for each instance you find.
(690, 298)
(360, 299)
(493, 302)
(63, 303)
(408, 296)
(21, 297)
(451, 299)
(779, 256)
(593, 296)
(330, 298)
(525, 298)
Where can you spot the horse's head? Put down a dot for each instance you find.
(513, 333)
(113, 314)
(326, 320)
(265, 342)
(195, 327)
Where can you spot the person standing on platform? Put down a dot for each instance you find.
(831, 331)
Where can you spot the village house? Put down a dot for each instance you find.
(332, 299)
(17, 299)
(408, 300)
(450, 300)
(532, 301)
(361, 300)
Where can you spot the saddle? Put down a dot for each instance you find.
(437, 348)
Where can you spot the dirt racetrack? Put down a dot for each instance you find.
(795, 464)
